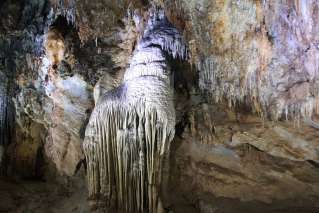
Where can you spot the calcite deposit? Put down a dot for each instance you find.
(256, 53)
(243, 104)
(132, 125)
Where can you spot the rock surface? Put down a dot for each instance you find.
(246, 102)
(258, 53)
(247, 160)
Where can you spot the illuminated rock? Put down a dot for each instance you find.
(131, 127)
(54, 47)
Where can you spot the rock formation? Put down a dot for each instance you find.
(245, 103)
(256, 53)
(132, 126)
(54, 47)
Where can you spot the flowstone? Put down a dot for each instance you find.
(131, 127)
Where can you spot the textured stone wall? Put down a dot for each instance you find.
(246, 103)
(257, 53)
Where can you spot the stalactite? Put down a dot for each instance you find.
(131, 127)
(66, 8)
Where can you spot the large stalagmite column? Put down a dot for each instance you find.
(131, 127)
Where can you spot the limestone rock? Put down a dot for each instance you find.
(246, 104)
(72, 103)
(262, 54)
(282, 141)
(132, 125)
(221, 155)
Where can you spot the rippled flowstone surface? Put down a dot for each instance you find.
(132, 125)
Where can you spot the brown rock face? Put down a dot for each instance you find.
(71, 102)
(223, 156)
(262, 54)
(246, 103)
(54, 47)
(25, 155)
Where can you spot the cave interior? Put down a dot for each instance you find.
(159, 106)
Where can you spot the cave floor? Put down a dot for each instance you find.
(39, 197)
(225, 205)
(29, 196)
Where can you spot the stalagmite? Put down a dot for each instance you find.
(131, 127)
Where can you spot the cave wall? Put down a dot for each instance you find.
(246, 101)
(60, 103)
(258, 53)
(251, 56)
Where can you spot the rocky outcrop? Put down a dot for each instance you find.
(221, 154)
